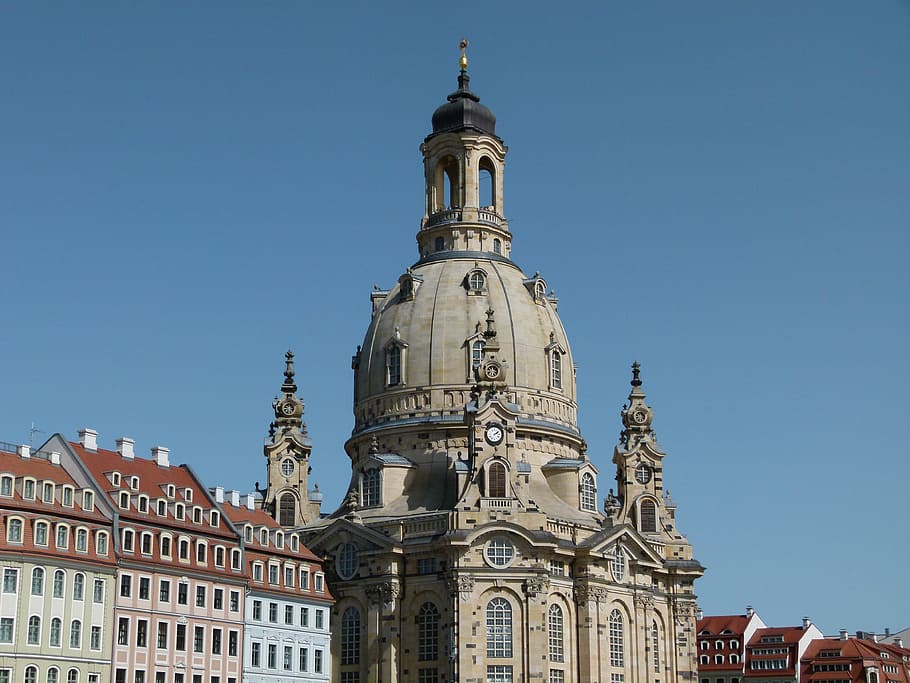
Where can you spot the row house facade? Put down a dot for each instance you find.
(721, 645)
(855, 660)
(286, 625)
(127, 569)
(58, 571)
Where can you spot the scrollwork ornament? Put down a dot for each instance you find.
(537, 585)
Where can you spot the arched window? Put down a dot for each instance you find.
(655, 646)
(34, 630)
(393, 365)
(82, 540)
(350, 636)
(72, 676)
(476, 353)
(440, 244)
(616, 639)
(287, 507)
(59, 583)
(648, 513)
(618, 565)
(56, 627)
(556, 369)
(31, 674)
(499, 628)
(477, 281)
(78, 586)
(76, 634)
(485, 184)
(555, 633)
(53, 675)
(41, 533)
(497, 480)
(37, 581)
(371, 488)
(428, 633)
(497, 245)
(14, 531)
(446, 185)
(588, 492)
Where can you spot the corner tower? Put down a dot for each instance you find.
(287, 451)
(472, 545)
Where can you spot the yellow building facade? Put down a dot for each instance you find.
(475, 543)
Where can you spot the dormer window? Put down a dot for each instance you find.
(188, 495)
(134, 483)
(476, 282)
(214, 518)
(88, 500)
(588, 492)
(124, 500)
(6, 486)
(279, 539)
(407, 286)
(555, 354)
(171, 491)
(248, 533)
(179, 511)
(295, 543)
(28, 489)
(67, 497)
(371, 487)
(47, 492)
(143, 503)
(395, 361)
(162, 507)
(115, 478)
(197, 515)
(263, 536)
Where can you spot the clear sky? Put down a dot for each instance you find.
(720, 190)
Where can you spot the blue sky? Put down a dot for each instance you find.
(717, 189)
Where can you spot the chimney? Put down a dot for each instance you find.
(699, 614)
(55, 458)
(807, 622)
(887, 631)
(25, 451)
(125, 447)
(898, 641)
(843, 634)
(749, 611)
(219, 494)
(874, 637)
(88, 437)
(160, 454)
(250, 501)
(235, 498)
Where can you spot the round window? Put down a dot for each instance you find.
(499, 552)
(347, 564)
(287, 467)
(642, 473)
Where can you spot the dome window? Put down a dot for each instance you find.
(371, 488)
(537, 287)
(440, 244)
(408, 285)
(554, 357)
(588, 492)
(395, 361)
(475, 282)
(497, 245)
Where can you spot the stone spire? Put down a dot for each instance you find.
(288, 407)
(636, 416)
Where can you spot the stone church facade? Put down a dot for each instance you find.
(473, 545)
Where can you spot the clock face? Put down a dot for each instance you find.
(287, 467)
(288, 409)
(494, 434)
(642, 474)
(640, 416)
(491, 371)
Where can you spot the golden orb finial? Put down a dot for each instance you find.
(463, 62)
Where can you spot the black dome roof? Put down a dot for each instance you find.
(463, 111)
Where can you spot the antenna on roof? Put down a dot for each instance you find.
(31, 433)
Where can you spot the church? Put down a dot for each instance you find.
(475, 543)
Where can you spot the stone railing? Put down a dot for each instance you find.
(425, 527)
(497, 503)
(489, 216)
(444, 216)
(659, 548)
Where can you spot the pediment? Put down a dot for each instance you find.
(345, 531)
(634, 545)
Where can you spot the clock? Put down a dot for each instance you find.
(640, 416)
(494, 434)
(288, 409)
(492, 371)
(642, 473)
(287, 467)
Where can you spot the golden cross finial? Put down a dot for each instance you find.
(463, 62)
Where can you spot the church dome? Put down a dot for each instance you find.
(428, 334)
(463, 111)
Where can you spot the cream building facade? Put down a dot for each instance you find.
(473, 544)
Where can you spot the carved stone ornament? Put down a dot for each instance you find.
(585, 593)
(536, 585)
(463, 584)
(644, 601)
(385, 593)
